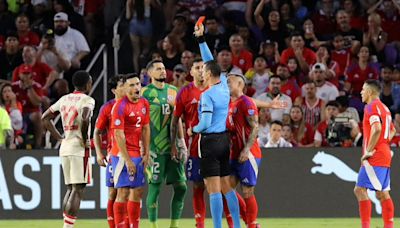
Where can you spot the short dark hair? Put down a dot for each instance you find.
(275, 76)
(296, 33)
(342, 101)
(113, 82)
(332, 103)
(151, 64)
(387, 66)
(80, 79)
(375, 84)
(213, 67)
(277, 122)
(131, 75)
(197, 60)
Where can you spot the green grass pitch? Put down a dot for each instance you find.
(187, 223)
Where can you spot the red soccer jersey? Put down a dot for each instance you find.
(357, 76)
(343, 58)
(377, 112)
(244, 60)
(186, 105)
(103, 121)
(239, 128)
(40, 72)
(308, 136)
(321, 128)
(31, 38)
(22, 96)
(292, 89)
(309, 56)
(130, 117)
(312, 114)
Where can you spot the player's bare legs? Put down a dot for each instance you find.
(71, 203)
(387, 208)
(74, 200)
(66, 197)
(199, 205)
(364, 206)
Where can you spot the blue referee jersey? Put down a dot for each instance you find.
(215, 101)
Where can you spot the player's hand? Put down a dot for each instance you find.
(367, 155)
(182, 150)
(198, 30)
(102, 161)
(277, 104)
(84, 144)
(174, 153)
(146, 160)
(131, 167)
(190, 132)
(244, 155)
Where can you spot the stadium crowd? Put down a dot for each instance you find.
(314, 55)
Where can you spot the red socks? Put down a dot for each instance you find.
(251, 211)
(134, 210)
(365, 213)
(242, 207)
(199, 206)
(387, 213)
(119, 214)
(110, 213)
(228, 215)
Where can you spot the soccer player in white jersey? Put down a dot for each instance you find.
(76, 110)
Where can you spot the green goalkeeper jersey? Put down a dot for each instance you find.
(162, 103)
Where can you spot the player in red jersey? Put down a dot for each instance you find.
(76, 110)
(130, 125)
(245, 153)
(374, 174)
(103, 125)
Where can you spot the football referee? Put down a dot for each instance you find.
(214, 139)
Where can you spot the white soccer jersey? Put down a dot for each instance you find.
(71, 107)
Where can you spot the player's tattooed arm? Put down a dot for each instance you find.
(85, 125)
(47, 116)
(253, 122)
(173, 131)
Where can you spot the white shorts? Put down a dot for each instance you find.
(77, 170)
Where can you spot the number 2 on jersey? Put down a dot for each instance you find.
(69, 115)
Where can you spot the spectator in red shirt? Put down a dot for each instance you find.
(303, 133)
(304, 56)
(353, 9)
(41, 72)
(359, 72)
(342, 55)
(240, 56)
(14, 109)
(26, 36)
(289, 84)
(224, 60)
(30, 94)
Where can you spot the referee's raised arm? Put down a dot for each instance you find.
(214, 139)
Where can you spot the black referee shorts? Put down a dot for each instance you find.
(214, 151)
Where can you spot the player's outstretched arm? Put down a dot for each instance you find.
(47, 116)
(146, 144)
(97, 145)
(274, 104)
(206, 54)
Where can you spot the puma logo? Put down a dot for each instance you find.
(328, 164)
